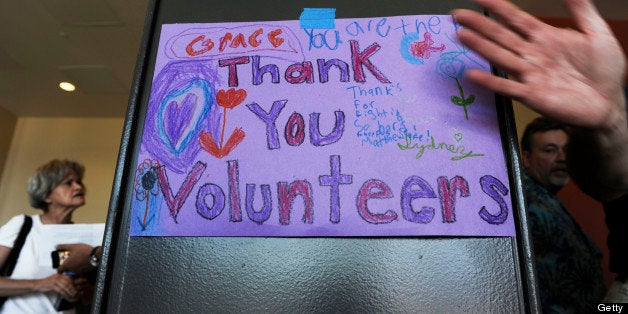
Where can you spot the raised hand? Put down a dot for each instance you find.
(572, 75)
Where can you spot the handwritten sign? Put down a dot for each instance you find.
(364, 129)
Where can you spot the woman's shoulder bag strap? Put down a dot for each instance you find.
(9, 264)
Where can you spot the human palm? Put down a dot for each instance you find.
(572, 75)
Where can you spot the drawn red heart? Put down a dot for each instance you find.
(230, 98)
(207, 143)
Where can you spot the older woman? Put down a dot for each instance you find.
(58, 190)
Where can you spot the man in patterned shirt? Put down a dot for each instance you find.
(568, 263)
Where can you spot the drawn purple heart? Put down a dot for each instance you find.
(177, 117)
(174, 82)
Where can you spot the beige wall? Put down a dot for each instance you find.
(93, 142)
(523, 116)
(7, 125)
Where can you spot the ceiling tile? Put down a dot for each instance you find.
(82, 12)
(8, 63)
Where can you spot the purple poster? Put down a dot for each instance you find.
(367, 128)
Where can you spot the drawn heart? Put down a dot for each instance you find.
(177, 118)
(458, 137)
(207, 143)
(230, 98)
(181, 114)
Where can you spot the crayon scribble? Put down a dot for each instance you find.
(180, 107)
(416, 51)
(146, 185)
(462, 101)
(227, 99)
(423, 48)
(460, 152)
(449, 66)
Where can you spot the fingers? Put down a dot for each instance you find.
(499, 56)
(67, 292)
(503, 86)
(80, 282)
(488, 28)
(586, 16)
(66, 266)
(515, 90)
(73, 247)
(64, 286)
(78, 259)
(60, 284)
(493, 41)
(584, 12)
(512, 16)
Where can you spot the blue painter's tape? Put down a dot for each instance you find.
(318, 18)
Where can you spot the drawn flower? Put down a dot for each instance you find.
(461, 100)
(230, 98)
(146, 184)
(208, 144)
(449, 66)
(227, 99)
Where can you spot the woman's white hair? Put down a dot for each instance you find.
(47, 177)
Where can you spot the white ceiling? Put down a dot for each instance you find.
(92, 42)
(95, 43)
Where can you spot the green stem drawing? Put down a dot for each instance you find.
(462, 101)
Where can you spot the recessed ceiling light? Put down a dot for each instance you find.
(66, 86)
